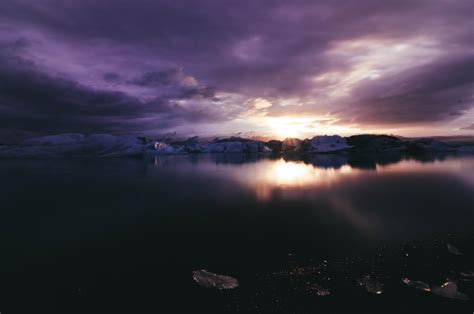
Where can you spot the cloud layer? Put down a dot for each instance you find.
(147, 67)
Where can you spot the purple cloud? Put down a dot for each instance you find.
(468, 127)
(154, 66)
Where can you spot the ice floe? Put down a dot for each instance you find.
(417, 284)
(449, 289)
(210, 280)
(370, 284)
(318, 290)
(468, 274)
(453, 250)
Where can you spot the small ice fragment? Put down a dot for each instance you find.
(317, 289)
(209, 280)
(453, 250)
(449, 289)
(322, 292)
(469, 273)
(417, 284)
(372, 285)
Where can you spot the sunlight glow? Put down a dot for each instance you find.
(290, 127)
(302, 127)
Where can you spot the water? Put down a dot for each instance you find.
(125, 235)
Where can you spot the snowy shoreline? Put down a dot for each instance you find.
(106, 145)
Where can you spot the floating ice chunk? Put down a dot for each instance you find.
(314, 288)
(454, 250)
(417, 284)
(468, 274)
(323, 292)
(209, 280)
(372, 285)
(449, 289)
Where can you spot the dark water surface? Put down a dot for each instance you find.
(123, 236)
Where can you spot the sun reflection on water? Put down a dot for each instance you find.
(268, 176)
(290, 173)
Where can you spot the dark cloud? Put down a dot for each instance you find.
(108, 65)
(32, 102)
(199, 91)
(174, 83)
(159, 78)
(111, 77)
(438, 91)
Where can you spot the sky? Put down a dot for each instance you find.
(264, 68)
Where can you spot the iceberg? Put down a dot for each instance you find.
(328, 143)
(236, 145)
(54, 140)
(76, 145)
(355, 148)
(163, 148)
(191, 145)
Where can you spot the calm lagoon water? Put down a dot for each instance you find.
(124, 235)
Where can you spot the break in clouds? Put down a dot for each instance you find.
(149, 67)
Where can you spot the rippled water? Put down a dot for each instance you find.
(120, 235)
